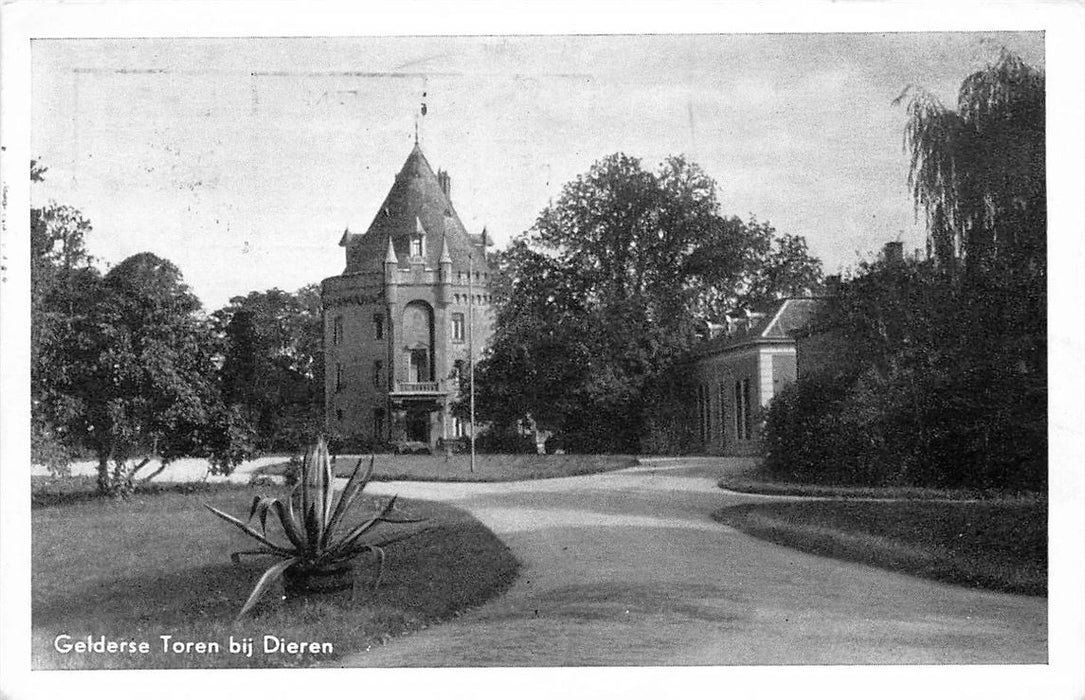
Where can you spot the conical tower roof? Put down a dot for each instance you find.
(415, 201)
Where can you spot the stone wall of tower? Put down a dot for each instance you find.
(353, 390)
(483, 314)
(352, 301)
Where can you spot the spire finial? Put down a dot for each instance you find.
(445, 257)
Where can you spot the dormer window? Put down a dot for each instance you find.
(417, 246)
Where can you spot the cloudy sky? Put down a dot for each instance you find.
(242, 161)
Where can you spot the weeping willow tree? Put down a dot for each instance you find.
(944, 381)
(978, 172)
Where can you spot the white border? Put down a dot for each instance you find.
(1063, 23)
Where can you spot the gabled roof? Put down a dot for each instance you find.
(775, 327)
(416, 201)
(790, 316)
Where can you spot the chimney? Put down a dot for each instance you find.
(445, 182)
(893, 252)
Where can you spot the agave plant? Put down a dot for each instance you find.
(310, 516)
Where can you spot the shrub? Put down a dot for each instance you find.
(802, 437)
(503, 442)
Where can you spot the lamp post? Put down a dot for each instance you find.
(471, 344)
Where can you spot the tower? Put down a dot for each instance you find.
(395, 321)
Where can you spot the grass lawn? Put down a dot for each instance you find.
(158, 564)
(998, 545)
(488, 467)
(754, 483)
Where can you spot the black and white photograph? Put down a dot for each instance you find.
(650, 350)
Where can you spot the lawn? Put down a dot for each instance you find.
(997, 545)
(488, 467)
(755, 483)
(158, 564)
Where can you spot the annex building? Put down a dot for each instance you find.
(737, 373)
(739, 370)
(396, 332)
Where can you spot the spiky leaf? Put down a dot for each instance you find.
(235, 557)
(350, 492)
(361, 529)
(269, 577)
(247, 530)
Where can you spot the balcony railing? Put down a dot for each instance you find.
(418, 388)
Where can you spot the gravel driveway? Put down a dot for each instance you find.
(627, 568)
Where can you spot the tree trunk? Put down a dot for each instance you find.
(161, 468)
(104, 482)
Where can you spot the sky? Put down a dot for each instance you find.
(243, 160)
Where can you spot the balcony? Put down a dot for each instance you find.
(419, 388)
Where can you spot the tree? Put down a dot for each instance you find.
(62, 281)
(979, 175)
(979, 172)
(272, 371)
(139, 377)
(607, 289)
(540, 350)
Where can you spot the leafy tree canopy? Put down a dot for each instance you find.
(607, 289)
(978, 172)
(272, 363)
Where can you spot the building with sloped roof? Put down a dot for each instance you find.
(737, 374)
(399, 322)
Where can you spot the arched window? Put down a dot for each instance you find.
(418, 343)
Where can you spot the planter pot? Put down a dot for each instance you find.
(302, 580)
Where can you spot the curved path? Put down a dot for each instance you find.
(627, 568)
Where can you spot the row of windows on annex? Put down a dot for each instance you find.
(459, 328)
(713, 416)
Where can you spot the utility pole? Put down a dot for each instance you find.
(471, 344)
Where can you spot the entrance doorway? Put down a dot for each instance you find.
(418, 426)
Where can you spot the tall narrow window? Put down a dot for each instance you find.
(743, 414)
(418, 367)
(707, 414)
(378, 368)
(378, 423)
(747, 414)
(700, 423)
(378, 326)
(722, 391)
(457, 327)
(416, 247)
(703, 413)
(739, 422)
(337, 330)
(338, 376)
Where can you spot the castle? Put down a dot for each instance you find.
(396, 322)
